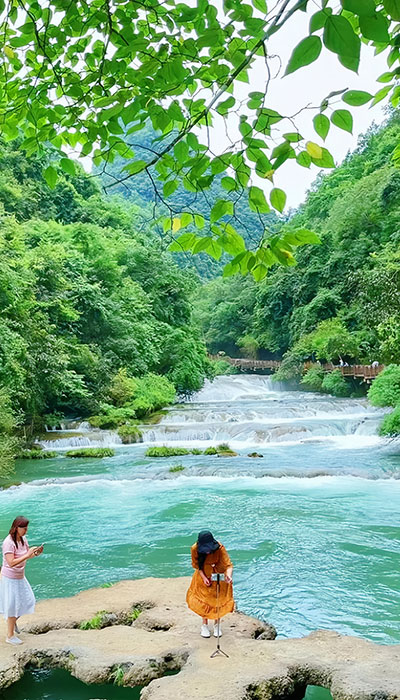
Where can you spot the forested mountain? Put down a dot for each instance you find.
(83, 296)
(343, 297)
(147, 193)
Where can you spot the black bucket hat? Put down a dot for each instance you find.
(206, 542)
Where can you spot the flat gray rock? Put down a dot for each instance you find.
(165, 637)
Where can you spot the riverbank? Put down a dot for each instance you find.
(164, 637)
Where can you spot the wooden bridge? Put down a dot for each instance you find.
(365, 372)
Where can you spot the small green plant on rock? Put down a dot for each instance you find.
(130, 433)
(167, 451)
(96, 622)
(97, 452)
(176, 468)
(134, 614)
(117, 676)
(36, 454)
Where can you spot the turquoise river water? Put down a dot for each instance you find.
(312, 526)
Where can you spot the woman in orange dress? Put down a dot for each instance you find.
(209, 557)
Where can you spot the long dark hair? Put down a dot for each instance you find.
(20, 521)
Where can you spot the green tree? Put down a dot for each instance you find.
(75, 75)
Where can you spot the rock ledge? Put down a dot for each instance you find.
(165, 637)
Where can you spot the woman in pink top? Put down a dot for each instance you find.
(16, 595)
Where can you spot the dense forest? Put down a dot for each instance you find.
(342, 299)
(99, 320)
(93, 310)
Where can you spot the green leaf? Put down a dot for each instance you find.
(375, 27)
(392, 7)
(170, 187)
(208, 245)
(314, 150)
(185, 242)
(259, 272)
(225, 106)
(340, 38)
(228, 183)
(359, 7)
(231, 241)
(293, 137)
(321, 125)
(230, 269)
(181, 151)
(301, 236)
(343, 119)
(199, 221)
(186, 219)
(325, 160)
(304, 159)
(220, 209)
(136, 167)
(318, 19)
(68, 166)
(381, 94)
(50, 175)
(304, 53)
(386, 77)
(278, 199)
(257, 201)
(355, 98)
(261, 5)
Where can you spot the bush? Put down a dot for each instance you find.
(223, 450)
(112, 417)
(334, 383)
(130, 434)
(313, 378)
(385, 389)
(391, 423)
(122, 388)
(91, 452)
(167, 451)
(36, 454)
(153, 393)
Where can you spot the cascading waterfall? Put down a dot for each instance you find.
(84, 436)
(251, 411)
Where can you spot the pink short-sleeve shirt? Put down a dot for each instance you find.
(9, 547)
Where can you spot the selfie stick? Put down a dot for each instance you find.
(218, 651)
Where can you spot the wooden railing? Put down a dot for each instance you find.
(365, 372)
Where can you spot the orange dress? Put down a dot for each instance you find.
(202, 599)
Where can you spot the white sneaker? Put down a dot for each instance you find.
(13, 640)
(217, 630)
(205, 632)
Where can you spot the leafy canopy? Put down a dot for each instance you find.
(77, 75)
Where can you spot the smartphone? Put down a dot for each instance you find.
(214, 577)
